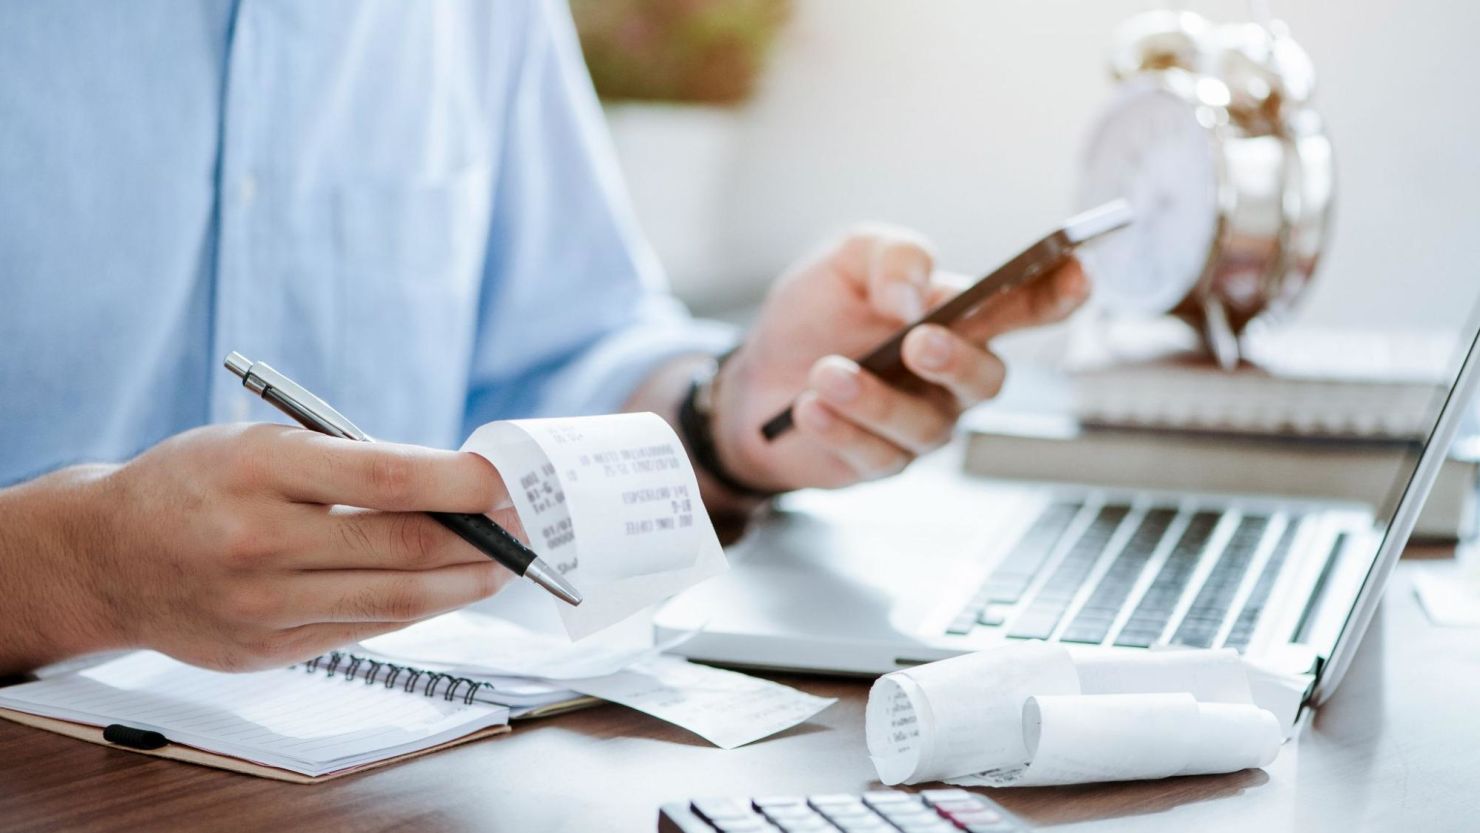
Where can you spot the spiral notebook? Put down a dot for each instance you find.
(327, 718)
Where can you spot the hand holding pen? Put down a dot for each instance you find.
(234, 547)
(475, 528)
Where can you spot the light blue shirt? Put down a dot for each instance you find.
(410, 207)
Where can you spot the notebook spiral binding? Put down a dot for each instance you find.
(353, 667)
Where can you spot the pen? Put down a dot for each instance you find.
(315, 414)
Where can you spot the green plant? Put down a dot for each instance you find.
(700, 51)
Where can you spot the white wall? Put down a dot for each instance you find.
(963, 119)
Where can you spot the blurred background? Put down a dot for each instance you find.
(964, 119)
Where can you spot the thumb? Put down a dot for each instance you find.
(892, 267)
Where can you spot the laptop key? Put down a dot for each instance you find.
(1200, 627)
(1012, 576)
(1053, 598)
(1093, 622)
(1017, 570)
(1155, 608)
(1248, 618)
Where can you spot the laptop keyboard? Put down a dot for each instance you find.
(1243, 626)
(1035, 606)
(1093, 623)
(1045, 610)
(1152, 614)
(1016, 572)
(1210, 607)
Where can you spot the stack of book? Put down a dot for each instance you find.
(1323, 414)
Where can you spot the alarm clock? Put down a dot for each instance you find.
(1211, 136)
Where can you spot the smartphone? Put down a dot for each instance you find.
(1041, 258)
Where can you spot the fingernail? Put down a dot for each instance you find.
(903, 299)
(837, 378)
(814, 413)
(934, 349)
(1075, 289)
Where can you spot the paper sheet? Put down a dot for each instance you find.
(612, 503)
(1033, 714)
(473, 643)
(1451, 597)
(726, 708)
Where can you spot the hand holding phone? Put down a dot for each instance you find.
(1040, 259)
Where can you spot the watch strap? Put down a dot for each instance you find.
(696, 426)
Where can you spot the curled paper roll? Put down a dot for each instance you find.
(1209, 676)
(962, 714)
(612, 503)
(1125, 737)
(1030, 714)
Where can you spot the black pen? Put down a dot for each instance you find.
(315, 414)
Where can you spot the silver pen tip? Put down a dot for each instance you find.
(540, 573)
(238, 364)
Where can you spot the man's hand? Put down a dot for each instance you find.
(231, 547)
(850, 426)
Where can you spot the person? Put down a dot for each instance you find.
(412, 209)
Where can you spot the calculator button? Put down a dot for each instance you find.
(1000, 826)
(957, 806)
(790, 811)
(807, 825)
(877, 798)
(716, 809)
(933, 797)
(820, 801)
(982, 816)
(908, 815)
(754, 824)
(766, 801)
(935, 825)
(866, 824)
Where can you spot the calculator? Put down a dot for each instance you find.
(881, 811)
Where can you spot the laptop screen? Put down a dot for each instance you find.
(1437, 452)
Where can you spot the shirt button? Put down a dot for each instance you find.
(248, 189)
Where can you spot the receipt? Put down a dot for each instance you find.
(611, 502)
(1209, 676)
(1084, 738)
(977, 697)
(726, 708)
(474, 643)
(1030, 714)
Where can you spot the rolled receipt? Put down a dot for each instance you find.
(1077, 739)
(1029, 714)
(1209, 676)
(612, 503)
(961, 715)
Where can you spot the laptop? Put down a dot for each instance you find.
(934, 563)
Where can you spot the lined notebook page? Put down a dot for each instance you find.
(303, 722)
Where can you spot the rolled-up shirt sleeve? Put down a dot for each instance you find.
(574, 309)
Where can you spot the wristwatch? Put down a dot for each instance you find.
(696, 427)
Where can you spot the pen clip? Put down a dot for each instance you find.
(295, 400)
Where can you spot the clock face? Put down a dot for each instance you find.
(1150, 149)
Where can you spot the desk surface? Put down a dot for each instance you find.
(1398, 747)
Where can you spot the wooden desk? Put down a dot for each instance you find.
(1397, 748)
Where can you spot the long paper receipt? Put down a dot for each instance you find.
(1031, 715)
(726, 708)
(610, 502)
